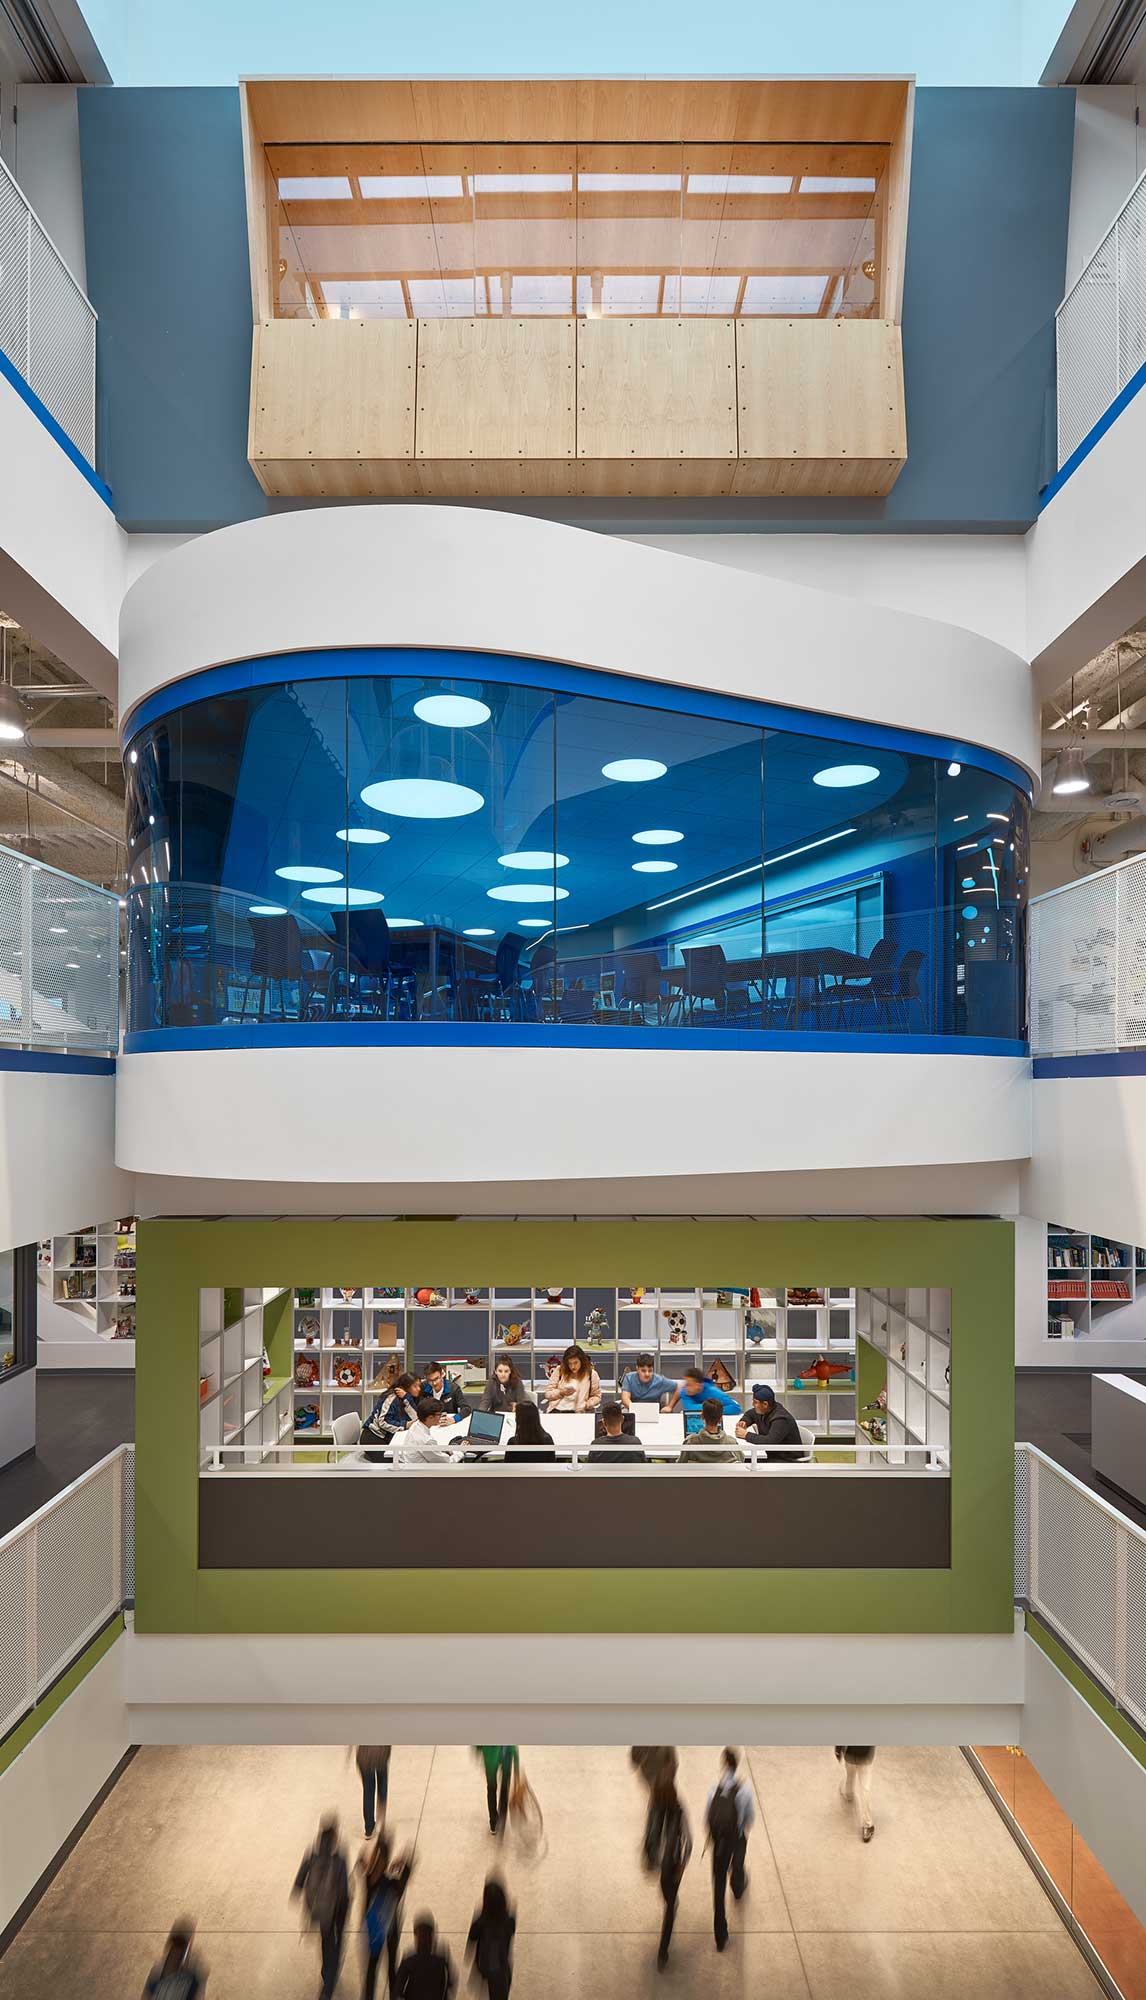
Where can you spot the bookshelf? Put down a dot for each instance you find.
(239, 1402)
(909, 1328)
(86, 1316)
(1096, 1287)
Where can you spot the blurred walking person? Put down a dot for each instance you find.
(653, 1761)
(385, 1879)
(501, 1761)
(491, 1940)
(178, 1976)
(731, 1815)
(373, 1761)
(673, 1853)
(324, 1885)
(856, 1784)
(427, 1972)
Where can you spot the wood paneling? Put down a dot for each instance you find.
(656, 389)
(812, 389)
(897, 182)
(815, 478)
(496, 389)
(496, 479)
(333, 389)
(655, 478)
(337, 478)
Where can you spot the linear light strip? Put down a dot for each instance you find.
(756, 868)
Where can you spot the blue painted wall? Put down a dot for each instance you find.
(168, 272)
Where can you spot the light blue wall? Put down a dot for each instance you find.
(168, 273)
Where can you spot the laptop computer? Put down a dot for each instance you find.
(693, 1422)
(484, 1434)
(628, 1425)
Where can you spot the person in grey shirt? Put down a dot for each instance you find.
(712, 1445)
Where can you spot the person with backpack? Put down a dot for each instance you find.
(178, 1976)
(731, 1814)
(491, 1940)
(426, 1973)
(324, 1885)
(385, 1879)
(673, 1853)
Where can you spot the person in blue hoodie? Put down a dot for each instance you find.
(696, 1389)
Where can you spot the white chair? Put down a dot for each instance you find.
(345, 1431)
(807, 1436)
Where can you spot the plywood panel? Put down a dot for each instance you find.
(333, 389)
(655, 478)
(897, 182)
(656, 388)
(317, 110)
(815, 478)
(496, 479)
(509, 108)
(820, 389)
(496, 389)
(835, 109)
(337, 478)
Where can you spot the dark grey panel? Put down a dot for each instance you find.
(656, 1520)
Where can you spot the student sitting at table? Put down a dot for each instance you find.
(576, 1384)
(712, 1445)
(614, 1448)
(642, 1384)
(530, 1444)
(426, 1440)
(505, 1388)
(691, 1394)
(446, 1393)
(396, 1407)
(768, 1422)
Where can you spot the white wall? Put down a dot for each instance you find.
(17, 1418)
(1032, 1348)
(57, 1155)
(45, 1793)
(1088, 1157)
(46, 162)
(1106, 163)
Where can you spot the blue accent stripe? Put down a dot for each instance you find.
(518, 1034)
(53, 1064)
(1098, 431)
(358, 662)
(1113, 1062)
(12, 374)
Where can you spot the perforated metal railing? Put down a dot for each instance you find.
(1082, 1567)
(59, 960)
(64, 1574)
(1100, 327)
(47, 322)
(1088, 963)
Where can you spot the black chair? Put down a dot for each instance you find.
(907, 993)
(576, 1005)
(276, 963)
(191, 958)
(507, 974)
(642, 985)
(706, 979)
(878, 990)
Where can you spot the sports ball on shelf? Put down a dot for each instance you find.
(514, 1333)
(428, 1296)
(348, 1374)
(595, 1330)
(677, 1325)
(306, 1417)
(305, 1371)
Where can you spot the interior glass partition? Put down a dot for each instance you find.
(400, 838)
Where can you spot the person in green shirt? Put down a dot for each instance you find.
(501, 1762)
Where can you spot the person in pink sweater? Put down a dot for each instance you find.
(576, 1385)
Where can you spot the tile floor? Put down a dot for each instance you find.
(940, 1903)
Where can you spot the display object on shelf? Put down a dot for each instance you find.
(243, 1404)
(1096, 1287)
(910, 1328)
(86, 1282)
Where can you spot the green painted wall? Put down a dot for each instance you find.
(974, 1258)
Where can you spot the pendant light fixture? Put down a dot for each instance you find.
(1070, 773)
(11, 707)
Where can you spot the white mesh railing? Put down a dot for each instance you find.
(1081, 1565)
(1088, 963)
(59, 960)
(47, 323)
(1100, 327)
(64, 1574)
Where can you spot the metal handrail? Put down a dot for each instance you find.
(48, 239)
(253, 1455)
(29, 962)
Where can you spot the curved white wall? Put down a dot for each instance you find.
(481, 581)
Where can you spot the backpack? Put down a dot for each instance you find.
(381, 1911)
(724, 1817)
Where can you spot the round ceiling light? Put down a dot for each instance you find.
(527, 892)
(953, 770)
(535, 858)
(534, 923)
(302, 874)
(838, 777)
(479, 930)
(362, 836)
(342, 899)
(654, 867)
(657, 836)
(969, 911)
(266, 910)
(451, 711)
(422, 798)
(634, 770)
(404, 924)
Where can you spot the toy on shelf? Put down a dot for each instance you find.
(428, 1296)
(637, 1293)
(350, 1293)
(821, 1372)
(124, 1326)
(308, 1328)
(389, 1292)
(306, 1417)
(805, 1295)
(595, 1330)
(349, 1337)
(306, 1295)
(677, 1325)
(554, 1294)
(305, 1371)
(348, 1374)
(718, 1373)
(514, 1333)
(470, 1294)
(266, 1364)
(756, 1331)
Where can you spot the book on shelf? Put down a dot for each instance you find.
(1066, 1288)
(1110, 1288)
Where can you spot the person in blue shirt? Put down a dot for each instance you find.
(695, 1390)
(642, 1384)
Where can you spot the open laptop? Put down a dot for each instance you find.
(693, 1422)
(484, 1434)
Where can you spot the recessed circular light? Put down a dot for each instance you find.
(657, 836)
(534, 858)
(533, 923)
(968, 882)
(654, 867)
(953, 770)
(634, 770)
(404, 924)
(266, 910)
(362, 836)
(304, 874)
(969, 910)
(451, 711)
(479, 930)
(344, 898)
(837, 777)
(422, 798)
(527, 892)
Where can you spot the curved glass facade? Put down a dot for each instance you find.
(342, 843)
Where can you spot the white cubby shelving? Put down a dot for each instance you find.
(87, 1297)
(1096, 1287)
(238, 1404)
(911, 1327)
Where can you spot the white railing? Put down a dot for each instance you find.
(59, 960)
(319, 1458)
(1088, 963)
(47, 321)
(64, 1573)
(1100, 327)
(1081, 1565)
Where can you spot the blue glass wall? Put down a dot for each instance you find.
(386, 838)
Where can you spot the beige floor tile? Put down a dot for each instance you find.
(46, 1965)
(1009, 1966)
(574, 1968)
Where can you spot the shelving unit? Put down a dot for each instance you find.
(238, 1403)
(87, 1297)
(468, 1331)
(910, 1328)
(1096, 1287)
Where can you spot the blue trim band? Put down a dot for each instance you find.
(518, 1034)
(360, 662)
(1097, 431)
(11, 373)
(1113, 1062)
(53, 1064)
